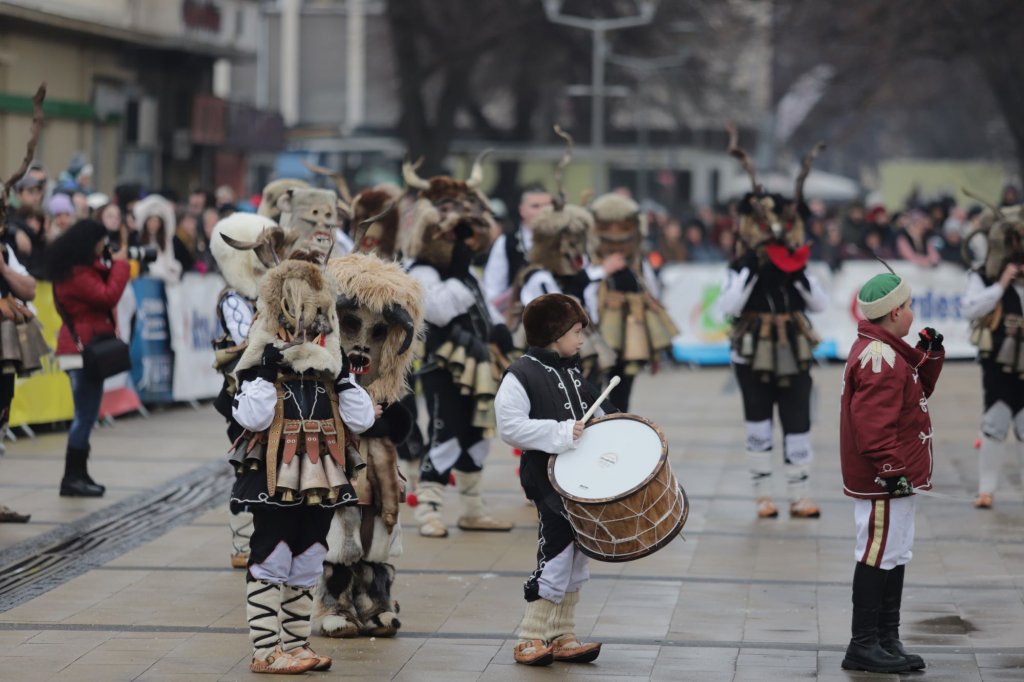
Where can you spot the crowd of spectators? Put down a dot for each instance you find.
(42, 208)
(923, 232)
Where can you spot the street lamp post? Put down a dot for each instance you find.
(643, 70)
(600, 29)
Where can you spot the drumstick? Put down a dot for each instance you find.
(593, 408)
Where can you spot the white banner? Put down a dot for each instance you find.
(193, 324)
(690, 292)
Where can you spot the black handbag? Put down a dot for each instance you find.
(104, 356)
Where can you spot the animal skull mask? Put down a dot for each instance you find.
(375, 221)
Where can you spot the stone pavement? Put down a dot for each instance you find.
(737, 599)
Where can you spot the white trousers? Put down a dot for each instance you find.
(885, 531)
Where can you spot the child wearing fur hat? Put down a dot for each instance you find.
(886, 452)
(539, 404)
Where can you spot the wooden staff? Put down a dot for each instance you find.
(593, 408)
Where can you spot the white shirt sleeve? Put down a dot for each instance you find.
(444, 300)
(735, 292)
(542, 282)
(650, 278)
(512, 409)
(355, 406)
(496, 271)
(13, 263)
(816, 298)
(979, 300)
(237, 313)
(254, 404)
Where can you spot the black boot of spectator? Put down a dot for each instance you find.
(76, 481)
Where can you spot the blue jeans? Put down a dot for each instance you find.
(87, 395)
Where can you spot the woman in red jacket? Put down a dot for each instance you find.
(88, 282)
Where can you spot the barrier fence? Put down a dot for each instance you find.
(691, 291)
(171, 328)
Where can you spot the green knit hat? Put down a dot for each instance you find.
(882, 294)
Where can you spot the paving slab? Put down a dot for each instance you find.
(735, 598)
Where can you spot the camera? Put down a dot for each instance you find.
(143, 254)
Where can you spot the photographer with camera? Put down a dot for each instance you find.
(88, 280)
(155, 221)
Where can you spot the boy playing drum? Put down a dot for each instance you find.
(885, 444)
(539, 405)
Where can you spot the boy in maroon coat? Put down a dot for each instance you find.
(886, 450)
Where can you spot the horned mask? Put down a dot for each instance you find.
(295, 312)
(273, 191)
(447, 211)
(561, 231)
(380, 315)
(1004, 228)
(242, 270)
(771, 224)
(375, 221)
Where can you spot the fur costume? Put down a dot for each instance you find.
(166, 266)
(451, 224)
(273, 191)
(375, 221)
(295, 462)
(380, 315)
(630, 319)
(767, 292)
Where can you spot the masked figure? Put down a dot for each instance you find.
(629, 317)
(236, 308)
(767, 292)
(296, 401)
(380, 313)
(994, 302)
(452, 223)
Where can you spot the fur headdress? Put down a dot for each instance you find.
(242, 270)
(380, 313)
(1004, 228)
(561, 230)
(447, 210)
(166, 266)
(375, 214)
(772, 220)
(295, 312)
(273, 191)
(619, 226)
(547, 318)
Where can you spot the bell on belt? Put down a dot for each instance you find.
(981, 336)
(764, 358)
(444, 352)
(468, 376)
(785, 361)
(803, 350)
(637, 346)
(457, 361)
(746, 345)
(1007, 357)
(10, 349)
(612, 319)
(656, 330)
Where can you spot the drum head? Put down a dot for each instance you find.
(616, 454)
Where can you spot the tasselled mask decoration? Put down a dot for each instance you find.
(561, 231)
(771, 224)
(447, 211)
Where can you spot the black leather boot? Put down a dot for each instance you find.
(889, 619)
(76, 481)
(865, 652)
(85, 472)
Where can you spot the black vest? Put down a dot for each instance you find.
(774, 291)
(1012, 305)
(571, 285)
(514, 255)
(557, 390)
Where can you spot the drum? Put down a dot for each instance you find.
(620, 494)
